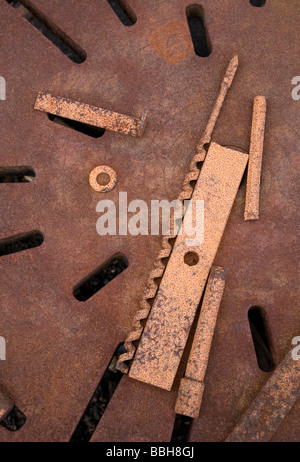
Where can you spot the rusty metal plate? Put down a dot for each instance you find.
(58, 347)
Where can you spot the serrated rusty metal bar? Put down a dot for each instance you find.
(255, 158)
(165, 335)
(271, 405)
(225, 85)
(192, 385)
(90, 115)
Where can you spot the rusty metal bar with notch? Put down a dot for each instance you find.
(160, 350)
(271, 405)
(192, 385)
(90, 115)
(255, 158)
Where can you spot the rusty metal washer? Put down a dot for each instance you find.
(93, 179)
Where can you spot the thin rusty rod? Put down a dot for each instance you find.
(255, 158)
(271, 405)
(192, 385)
(91, 115)
(225, 85)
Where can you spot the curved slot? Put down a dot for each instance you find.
(198, 30)
(99, 401)
(258, 3)
(16, 174)
(100, 277)
(90, 130)
(260, 338)
(14, 420)
(123, 11)
(38, 20)
(20, 242)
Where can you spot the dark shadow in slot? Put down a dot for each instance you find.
(90, 130)
(38, 20)
(123, 11)
(16, 174)
(258, 3)
(100, 277)
(260, 337)
(14, 420)
(99, 401)
(182, 428)
(198, 30)
(20, 242)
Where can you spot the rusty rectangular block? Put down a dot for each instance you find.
(91, 115)
(255, 158)
(192, 385)
(166, 332)
(271, 405)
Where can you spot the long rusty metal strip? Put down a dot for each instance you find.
(192, 385)
(271, 405)
(6, 405)
(225, 85)
(165, 335)
(91, 115)
(255, 158)
(186, 193)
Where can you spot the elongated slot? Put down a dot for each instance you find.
(123, 11)
(181, 429)
(258, 3)
(90, 130)
(38, 20)
(198, 30)
(16, 174)
(20, 242)
(260, 338)
(100, 278)
(14, 420)
(99, 401)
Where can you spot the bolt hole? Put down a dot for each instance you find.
(260, 337)
(103, 179)
(191, 258)
(258, 3)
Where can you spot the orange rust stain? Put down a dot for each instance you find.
(172, 41)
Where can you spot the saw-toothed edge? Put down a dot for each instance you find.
(152, 286)
(165, 252)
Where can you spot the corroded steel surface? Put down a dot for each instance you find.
(90, 115)
(103, 170)
(162, 343)
(255, 158)
(58, 348)
(192, 385)
(271, 405)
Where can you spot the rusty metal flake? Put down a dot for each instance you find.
(162, 343)
(90, 115)
(255, 158)
(271, 405)
(192, 385)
